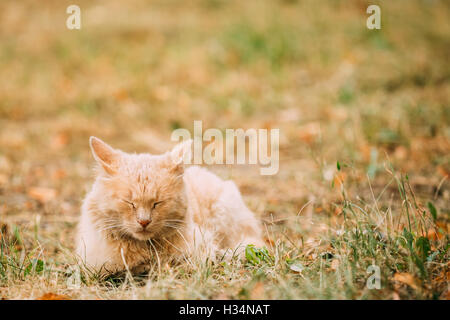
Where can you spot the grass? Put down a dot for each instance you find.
(410, 249)
(363, 118)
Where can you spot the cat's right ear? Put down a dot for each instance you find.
(180, 155)
(106, 156)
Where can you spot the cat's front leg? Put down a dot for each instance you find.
(97, 254)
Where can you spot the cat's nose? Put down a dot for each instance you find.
(144, 222)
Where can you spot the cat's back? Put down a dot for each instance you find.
(208, 195)
(202, 185)
(216, 204)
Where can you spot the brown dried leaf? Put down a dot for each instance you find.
(42, 194)
(53, 296)
(443, 171)
(406, 278)
(60, 140)
(121, 95)
(339, 179)
(432, 234)
(269, 241)
(59, 174)
(309, 132)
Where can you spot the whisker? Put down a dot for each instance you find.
(174, 227)
(157, 256)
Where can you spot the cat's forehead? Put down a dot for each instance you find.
(153, 171)
(146, 177)
(143, 167)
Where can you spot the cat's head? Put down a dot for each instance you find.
(138, 196)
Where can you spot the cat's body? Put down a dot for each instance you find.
(147, 208)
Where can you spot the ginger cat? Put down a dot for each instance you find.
(145, 208)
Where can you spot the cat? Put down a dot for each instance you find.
(145, 208)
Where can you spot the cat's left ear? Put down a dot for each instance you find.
(181, 154)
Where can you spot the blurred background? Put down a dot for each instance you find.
(137, 70)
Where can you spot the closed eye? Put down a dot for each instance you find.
(156, 203)
(130, 203)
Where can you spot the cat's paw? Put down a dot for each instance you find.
(140, 269)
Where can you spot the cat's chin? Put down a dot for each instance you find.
(142, 235)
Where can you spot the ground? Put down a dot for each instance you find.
(364, 139)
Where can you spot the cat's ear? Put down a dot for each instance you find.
(181, 154)
(104, 154)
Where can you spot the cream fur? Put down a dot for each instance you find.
(194, 214)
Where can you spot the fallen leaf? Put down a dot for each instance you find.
(121, 95)
(59, 174)
(406, 278)
(42, 194)
(59, 141)
(53, 296)
(432, 234)
(443, 171)
(28, 205)
(310, 132)
(339, 179)
(269, 241)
